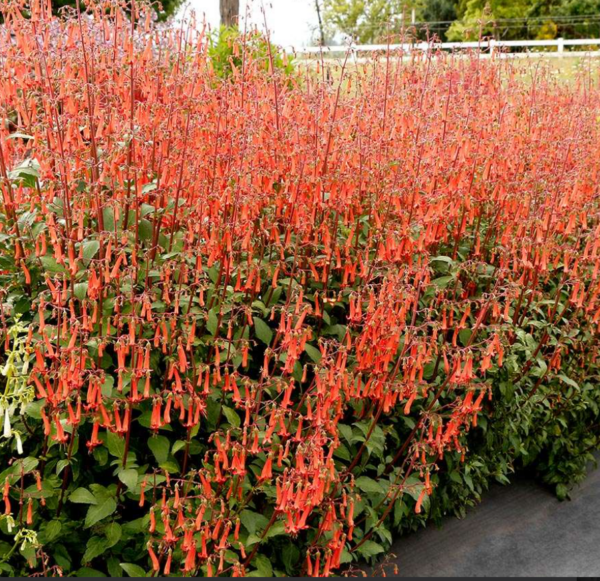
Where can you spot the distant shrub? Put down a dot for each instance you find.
(228, 47)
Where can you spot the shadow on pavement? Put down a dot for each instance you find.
(517, 530)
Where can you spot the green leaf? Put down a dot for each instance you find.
(145, 230)
(133, 570)
(232, 417)
(114, 570)
(445, 259)
(263, 566)
(115, 444)
(108, 217)
(464, 336)
(27, 173)
(29, 552)
(160, 448)
(253, 521)
(113, 534)
(346, 431)
(83, 496)
(129, 478)
(252, 540)
(263, 331)
(90, 249)
(147, 208)
(94, 548)
(568, 381)
(467, 478)
(178, 445)
(442, 281)
(313, 353)
(290, 556)
(212, 322)
(88, 572)
(369, 485)
(49, 263)
(370, 549)
(51, 531)
(278, 528)
(98, 512)
(81, 289)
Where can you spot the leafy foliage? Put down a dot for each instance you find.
(229, 48)
(367, 21)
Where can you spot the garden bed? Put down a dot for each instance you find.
(257, 322)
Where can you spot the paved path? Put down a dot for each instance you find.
(517, 530)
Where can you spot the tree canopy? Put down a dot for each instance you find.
(373, 20)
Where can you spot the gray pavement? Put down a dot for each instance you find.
(517, 530)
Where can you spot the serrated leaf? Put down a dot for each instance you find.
(94, 548)
(278, 528)
(346, 431)
(252, 540)
(50, 265)
(112, 532)
(83, 496)
(290, 556)
(81, 289)
(115, 444)
(97, 512)
(90, 249)
(145, 229)
(370, 549)
(263, 566)
(442, 281)
(129, 478)
(160, 446)
(253, 521)
(262, 331)
(369, 485)
(51, 531)
(232, 417)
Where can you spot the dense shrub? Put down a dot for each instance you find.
(256, 325)
(228, 49)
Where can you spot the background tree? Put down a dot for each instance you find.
(368, 20)
(439, 14)
(320, 20)
(230, 12)
(523, 19)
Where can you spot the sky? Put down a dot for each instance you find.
(292, 23)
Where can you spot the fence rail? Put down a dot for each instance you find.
(489, 45)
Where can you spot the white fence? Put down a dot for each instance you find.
(485, 45)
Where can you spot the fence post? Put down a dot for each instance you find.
(561, 45)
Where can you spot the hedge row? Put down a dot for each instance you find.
(255, 323)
